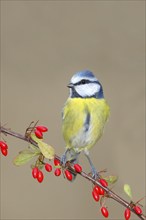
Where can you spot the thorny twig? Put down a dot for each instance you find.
(109, 192)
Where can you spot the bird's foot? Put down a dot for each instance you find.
(63, 159)
(95, 174)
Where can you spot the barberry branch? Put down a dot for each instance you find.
(108, 192)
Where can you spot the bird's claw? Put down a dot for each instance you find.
(95, 174)
(63, 159)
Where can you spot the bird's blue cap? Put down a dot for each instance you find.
(85, 73)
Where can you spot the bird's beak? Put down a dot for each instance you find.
(70, 85)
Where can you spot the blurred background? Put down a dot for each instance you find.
(43, 43)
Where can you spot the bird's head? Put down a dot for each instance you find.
(85, 85)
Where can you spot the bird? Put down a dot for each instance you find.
(84, 117)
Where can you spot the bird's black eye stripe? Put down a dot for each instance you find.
(84, 81)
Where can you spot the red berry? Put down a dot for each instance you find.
(104, 212)
(40, 176)
(35, 171)
(57, 172)
(78, 168)
(56, 162)
(68, 175)
(103, 182)
(101, 191)
(95, 195)
(138, 210)
(127, 214)
(48, 167)
(38, 134)
(4, 151)
(97, 189)
(42, 128)
(3, 145)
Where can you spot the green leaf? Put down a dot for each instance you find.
(111, 179)
(24, 156)
(127, 190)
(34, 148)
(47, 150)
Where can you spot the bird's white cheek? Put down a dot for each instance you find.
(87, 89)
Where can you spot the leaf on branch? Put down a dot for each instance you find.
(47, 150)
(127, 190)
(34, 148)
(111, 179)
(24, 156)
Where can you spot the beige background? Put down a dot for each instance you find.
(42, 44)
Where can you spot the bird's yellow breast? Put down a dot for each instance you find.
(83, 122)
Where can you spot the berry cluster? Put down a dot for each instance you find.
(67, 173)
(127, 212)
(4, 148)
(39, 130)
(38, 174)
(99, 193)
(57, 170)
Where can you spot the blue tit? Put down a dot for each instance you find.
(84, 116)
